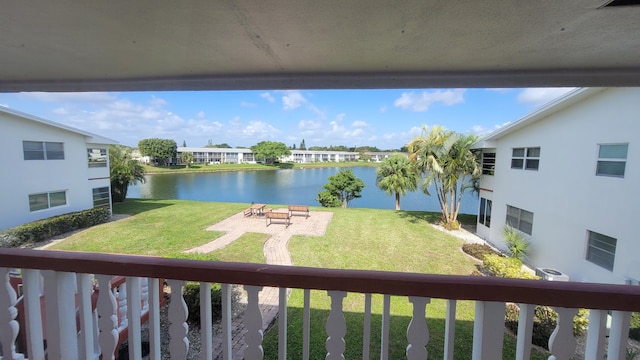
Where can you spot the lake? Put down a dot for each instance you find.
(290, 186)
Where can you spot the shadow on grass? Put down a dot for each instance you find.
(137, 206)
(463, 343)
(466, 220)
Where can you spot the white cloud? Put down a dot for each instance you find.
(61, 111)
(383, 109)
(247, 104)
(81, 97)
(359, 123)
(421, 102)
(540, 96)
(293, 99)
(309, 125)
(201, 114)
(267, 96)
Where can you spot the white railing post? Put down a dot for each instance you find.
(206, 332)
(450, 329)
(59, 299)
(108, 320)
(155, 291)
(562, 343)
(122, 306)
(144, 293)
(253, 324)
(417, 331)
(8, 325)
(618, 334)
(525, 331)
(31, 285)
(178, 312)
(366, 328)
(488, 330)
(85, 313)
(134, 311)
(596, 335)
(385, 328)
(336, 327)
(282, 324)
(226, 321)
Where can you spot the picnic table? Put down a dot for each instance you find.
(257, 209)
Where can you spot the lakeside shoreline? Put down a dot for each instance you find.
(154, 170)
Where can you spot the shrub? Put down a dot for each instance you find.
(516, 243)
(634, 329)
(478, 251)
(192, 299)
(43, 229)
(499, 266)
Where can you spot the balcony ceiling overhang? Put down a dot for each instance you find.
(226, 45)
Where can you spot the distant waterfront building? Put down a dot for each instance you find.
(204, 155)
(50, 169)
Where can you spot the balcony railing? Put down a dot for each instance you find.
(69, 277)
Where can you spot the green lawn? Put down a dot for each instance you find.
(355, 239)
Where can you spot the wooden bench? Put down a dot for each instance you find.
(248, 212)
(276, 216)
(299, 210)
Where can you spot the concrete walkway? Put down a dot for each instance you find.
(276, 252)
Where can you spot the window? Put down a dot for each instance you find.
(601, 250)
(484, 217)
(101, 197)
(488, 163)
(47, 200)
(39, 150)
(525, 158)
(612, 159)
(520, 219)
(97, 157)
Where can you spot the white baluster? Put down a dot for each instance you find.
(450, 329)
(253, 324)
(562, 344)
(59, 298)
(417, 331)
(618, 334)
(336, 327)
(179, 344)
(525, 331)
(206, 332)
(31, 286)
(366, 328)
(226, 321)
(155, 289)
(144, 289)
(85, 314)
(488, 330)
(8, 325)
(386, 319)
(107, 318)
(134, 311)
(596, 335)
(282, 324)
(122, 307)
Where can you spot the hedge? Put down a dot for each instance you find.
(43, 229)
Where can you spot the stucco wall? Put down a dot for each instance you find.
(565, 195)
(20, 177)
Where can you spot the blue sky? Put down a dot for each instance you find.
(386, 119)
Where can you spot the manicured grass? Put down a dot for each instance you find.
(355, 239)
(159, 227)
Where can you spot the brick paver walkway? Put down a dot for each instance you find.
(275, 251)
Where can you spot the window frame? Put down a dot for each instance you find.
(488, 163)
(602, 160)
(526, 158)
(519, 221)
(597, 253)
(484, 214)
(48, 205)
(46, 150)
(101, 159)
(99, 198)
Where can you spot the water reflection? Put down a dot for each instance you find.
(291, 186)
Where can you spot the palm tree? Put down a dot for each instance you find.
(397, 175)
(446, 160)
(124, 172)
(186, 158)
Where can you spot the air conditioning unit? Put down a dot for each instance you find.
(551, 274)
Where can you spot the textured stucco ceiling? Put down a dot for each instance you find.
(70, 45)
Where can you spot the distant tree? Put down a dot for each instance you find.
(270, 151)
(367, 149)
(397, 175)
(186, 158)
(343, 187)
(338, 148)
(219, 146)
(293, 147)
(184, 143)
(162, 150)
(124, 171)
(303, 146)
(445, 157)
(319, 148)
(363, 157)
